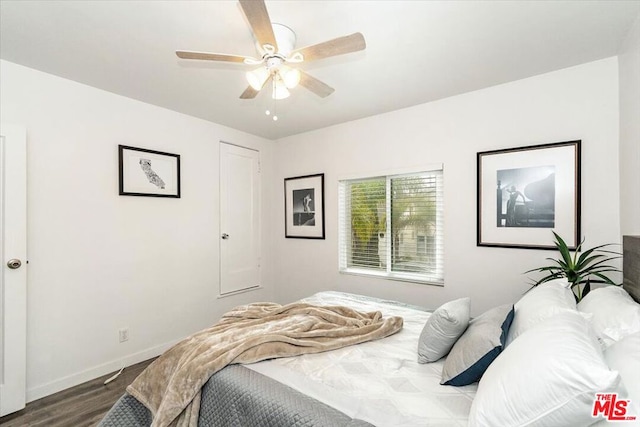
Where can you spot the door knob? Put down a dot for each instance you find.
(225, 236)
(14, 263)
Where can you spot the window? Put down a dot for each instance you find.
(391, 226)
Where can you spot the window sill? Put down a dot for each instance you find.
(398, 277)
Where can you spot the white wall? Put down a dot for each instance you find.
(99, 261)
(575, 103)
(629, 63)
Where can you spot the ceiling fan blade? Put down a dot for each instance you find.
(339, 46)
(210, 56)
(314, 85)
(250, 92)
(258, 17)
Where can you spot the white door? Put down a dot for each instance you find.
(239, 218)
(13, 270)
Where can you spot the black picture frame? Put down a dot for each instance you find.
(525, 192)
(148, 173)
(304, 207)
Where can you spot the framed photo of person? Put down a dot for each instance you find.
(304, 207)
(524, 193)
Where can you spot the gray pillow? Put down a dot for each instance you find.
(443, 328)
(480, 344)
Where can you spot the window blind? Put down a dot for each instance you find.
(393, 226)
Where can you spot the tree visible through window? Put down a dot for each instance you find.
(368, 201)
(393, 226)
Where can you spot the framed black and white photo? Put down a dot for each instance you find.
(304, 206)
(148, 173)
(524, 193)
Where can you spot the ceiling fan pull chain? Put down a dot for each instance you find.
(275, 100)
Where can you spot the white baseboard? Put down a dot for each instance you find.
(64, 383)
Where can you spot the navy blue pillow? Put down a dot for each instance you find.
(478, 346)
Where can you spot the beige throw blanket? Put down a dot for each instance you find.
(170, 386)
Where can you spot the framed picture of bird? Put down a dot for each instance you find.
(148, 173)
(525, 193)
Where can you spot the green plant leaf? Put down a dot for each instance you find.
(605, 278)
(563, 249)
(586, 253)
(585, 258)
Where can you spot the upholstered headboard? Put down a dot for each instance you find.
(631, 265)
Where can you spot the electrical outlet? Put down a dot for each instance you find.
(124, 334)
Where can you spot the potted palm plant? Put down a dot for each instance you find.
(581, 269)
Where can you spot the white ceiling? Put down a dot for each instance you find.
(417, 51)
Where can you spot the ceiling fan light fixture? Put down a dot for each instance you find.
(280, 91)
(257, 77)
(290, 76)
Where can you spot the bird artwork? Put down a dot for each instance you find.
(153, 177)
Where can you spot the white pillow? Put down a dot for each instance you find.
(615, 313)
(442, 330)
(547, 377)
(540, 303)
(624, 356)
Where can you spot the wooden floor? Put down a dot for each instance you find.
(81, 406)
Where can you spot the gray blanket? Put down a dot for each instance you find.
(239, 397)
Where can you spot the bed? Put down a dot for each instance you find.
(528, 357)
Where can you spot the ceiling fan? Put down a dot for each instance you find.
(276, 46)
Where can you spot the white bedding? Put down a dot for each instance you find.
(381, 381)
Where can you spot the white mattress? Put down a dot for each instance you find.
(380, 381)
